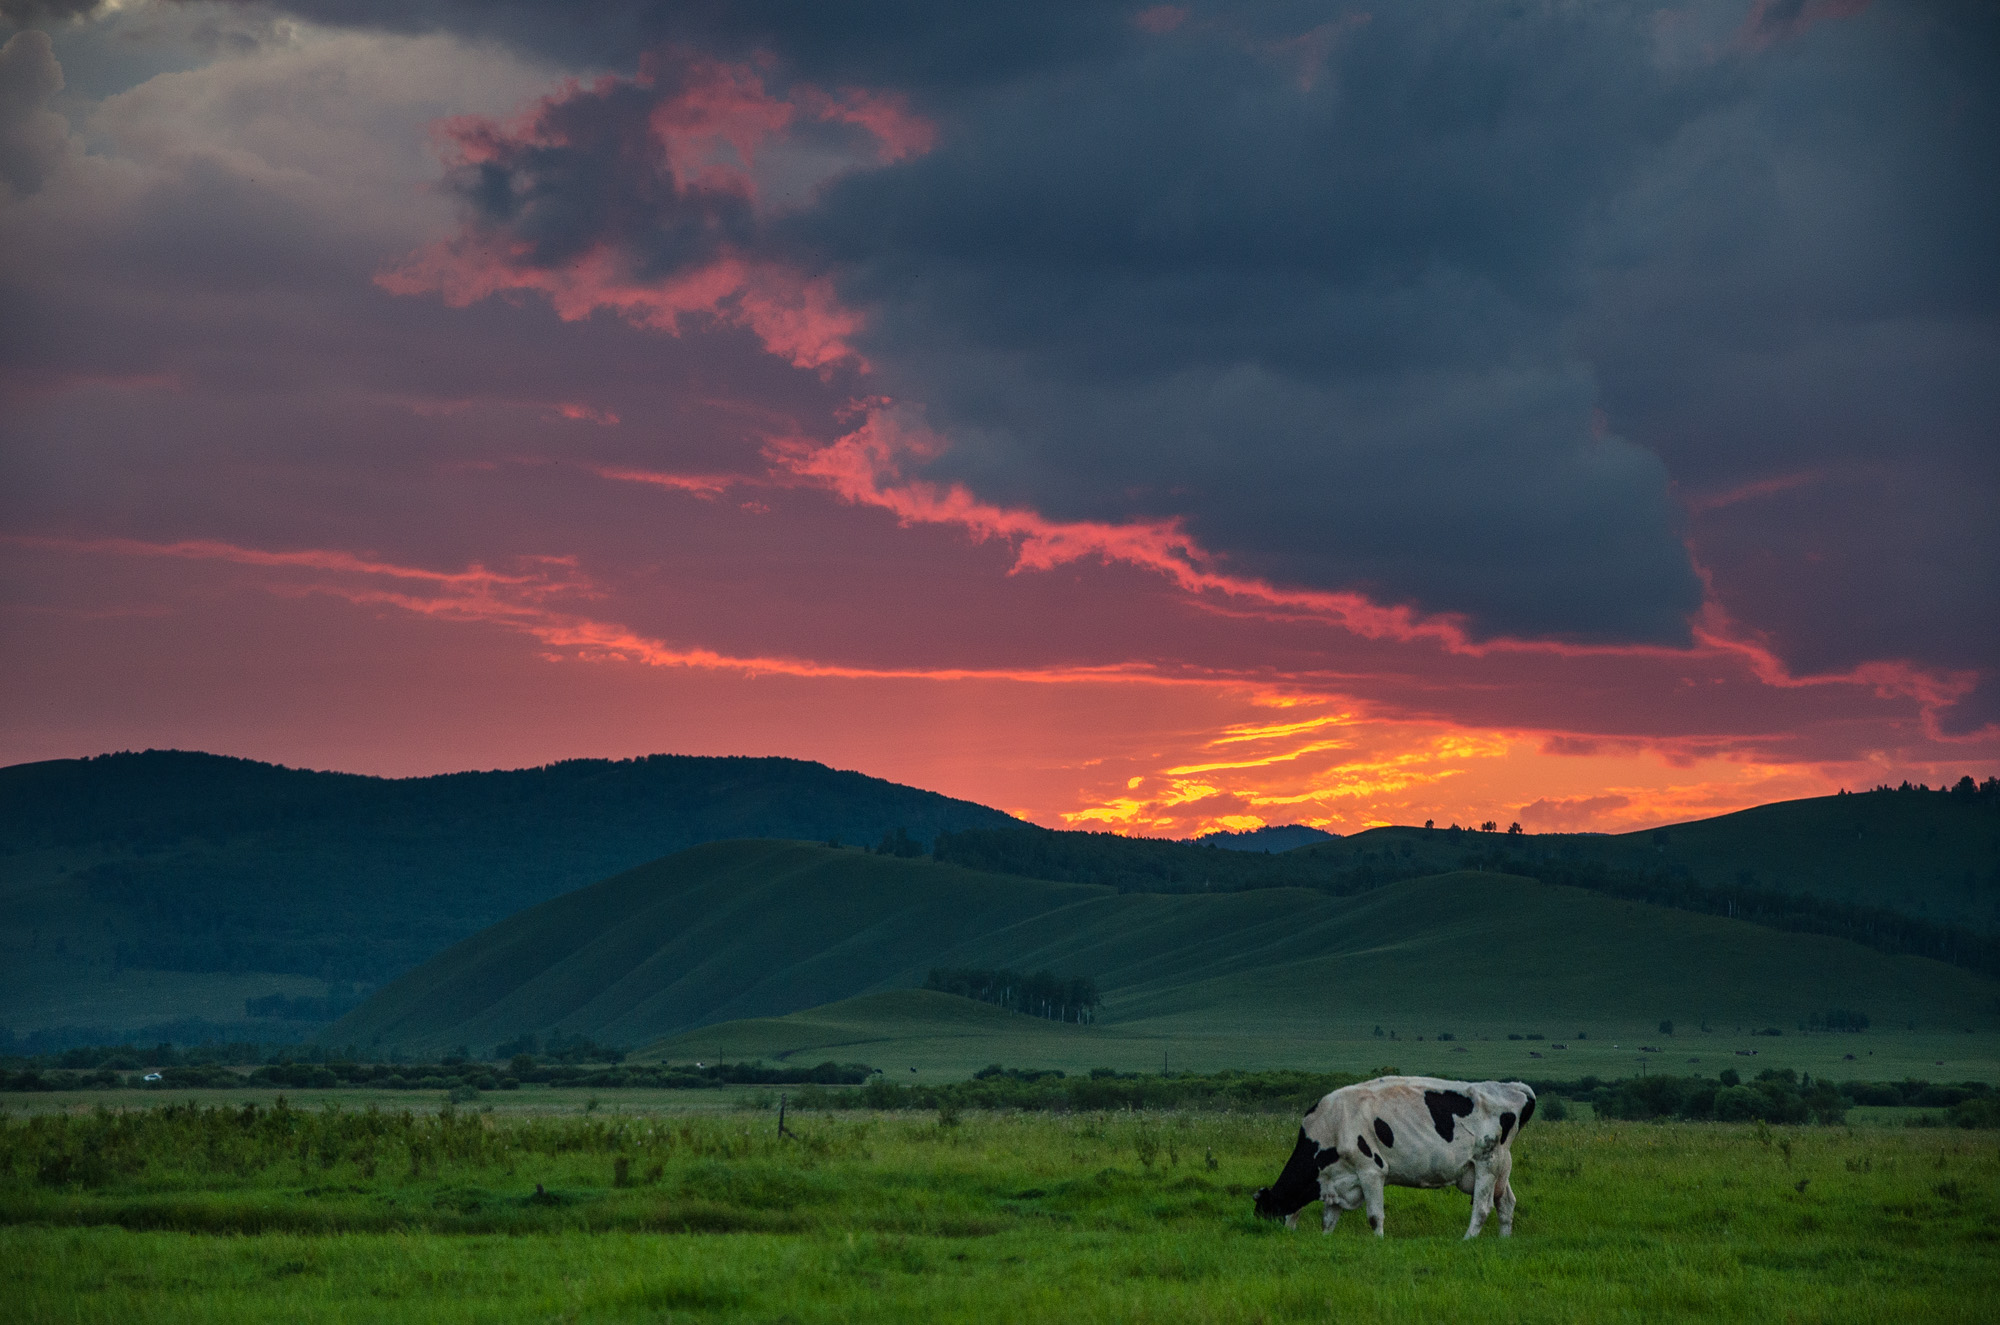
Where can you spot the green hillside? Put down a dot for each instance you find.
(249, 879)
(726, 930)
(744, 930)
(903, 1028)
(1913, 871)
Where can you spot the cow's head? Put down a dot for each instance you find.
(1298, 1185)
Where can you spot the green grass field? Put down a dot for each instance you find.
(207, 1216)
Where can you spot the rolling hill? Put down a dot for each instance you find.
(1930, 855)
(144, 888)
(1905, 871)
(747, 930)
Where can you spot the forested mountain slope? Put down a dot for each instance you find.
(174, 861)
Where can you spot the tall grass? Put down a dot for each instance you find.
(365, 1215)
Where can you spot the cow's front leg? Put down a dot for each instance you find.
(1329, 1217)
(1371, 1192)
(1292, 1220)
(1482, 1198)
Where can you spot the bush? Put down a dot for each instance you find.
(1739, 1104)
(1976, 1113)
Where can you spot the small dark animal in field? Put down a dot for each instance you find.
(1403, 1132)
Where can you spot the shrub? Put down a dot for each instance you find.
(1976, 1113)
(1739, 1104)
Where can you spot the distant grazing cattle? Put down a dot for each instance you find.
(1409, 1132)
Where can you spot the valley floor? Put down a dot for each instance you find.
(985, 1218)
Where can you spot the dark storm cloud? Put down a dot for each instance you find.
(933, 49)
(32, 140)
(596, 176)
(23, 12)
(1444, 303)
(1319, 313)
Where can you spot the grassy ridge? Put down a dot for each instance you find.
(758, 929)
(1932, 857)
(719, 931)
(898, 1217)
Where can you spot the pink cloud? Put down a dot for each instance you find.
(1160, 19)
(1772, 21)
(709, 125)
(586, 413)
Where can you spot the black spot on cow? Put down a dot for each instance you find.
(1527, 1110)
(1506, 1127)
(1297, 1186)
(1378, 1161)
(1361, 1144)
(1326, 1157)
(1446, 1105)
(1384, 1135)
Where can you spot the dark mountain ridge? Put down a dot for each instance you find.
(182, 861)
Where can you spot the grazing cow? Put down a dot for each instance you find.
(1409, 1132)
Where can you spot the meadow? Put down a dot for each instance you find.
(205, 1212)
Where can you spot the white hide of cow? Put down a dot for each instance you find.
(1404, 1132)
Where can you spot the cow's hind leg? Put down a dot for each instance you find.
(1503, 1194)
(1482, 1199)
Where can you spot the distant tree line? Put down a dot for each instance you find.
(339, 999)
(458, 1075)
(559, 1048)
(1838, 1019)
(1040, 994)
(1777, 1095)
(1156, 865)
(1964, 790)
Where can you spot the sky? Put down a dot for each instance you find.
(1154, 418)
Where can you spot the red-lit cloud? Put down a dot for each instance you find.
(857, 404)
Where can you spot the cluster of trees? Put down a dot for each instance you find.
(1838, 1019)
(900, 843)
(559, 1048)
(1039, 994)
(1965, 790)
(340, 998)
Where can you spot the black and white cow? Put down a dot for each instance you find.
(1409, 1132)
